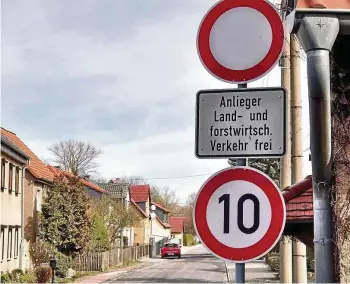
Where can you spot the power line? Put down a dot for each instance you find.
(199, 175)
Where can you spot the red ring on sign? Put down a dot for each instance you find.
(277, 212)
(264, 65)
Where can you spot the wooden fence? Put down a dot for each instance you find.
(101, 261)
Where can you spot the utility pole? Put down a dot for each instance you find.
(299, 248)
(286, 275)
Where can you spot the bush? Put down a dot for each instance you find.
(5, 278)
(15, 274)
(273, 261)
(188, 240)
(43, 274)
(27, 278)
(41, 252)
(64, 263)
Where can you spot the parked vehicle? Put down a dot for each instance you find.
(171, 249)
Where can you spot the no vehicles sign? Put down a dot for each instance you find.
(241, 123)
(239, 214)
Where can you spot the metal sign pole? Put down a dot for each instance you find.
(240, 267)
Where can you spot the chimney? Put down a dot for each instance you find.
(115, 180)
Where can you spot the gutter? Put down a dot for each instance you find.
(296, 189)
(21, 255)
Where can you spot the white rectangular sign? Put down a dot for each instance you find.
(241, 123)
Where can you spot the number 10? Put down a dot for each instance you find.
(226, 199)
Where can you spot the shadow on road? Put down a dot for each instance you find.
(201, 256)
(159, 280)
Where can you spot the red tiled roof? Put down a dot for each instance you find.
(300, 207)
(160, 206)
(177, 224)
(57, 172)
(36, 167)
(140, 193)
(138, 207)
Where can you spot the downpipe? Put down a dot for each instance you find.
(317, 34)
(22, 242)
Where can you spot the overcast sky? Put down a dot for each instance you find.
(122, 74)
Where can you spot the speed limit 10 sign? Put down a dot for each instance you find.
(239, 214)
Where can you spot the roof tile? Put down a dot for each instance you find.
(57, 172)
(300, 207)
(36, 167)
(140, 193)
(177, 224)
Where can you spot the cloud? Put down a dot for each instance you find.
(121, 74)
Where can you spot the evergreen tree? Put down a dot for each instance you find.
(64, 220)
(269, 166)
(99, 240)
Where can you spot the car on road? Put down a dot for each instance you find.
(171, 249)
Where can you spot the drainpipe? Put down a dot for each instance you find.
(21, 254)
(317, 34)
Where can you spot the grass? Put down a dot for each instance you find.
(79, 275)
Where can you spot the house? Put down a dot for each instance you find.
(13, 166)
(177, 228)
(140, 198)
(161, 228)
(120, 191)
(93, 190)
(37, 178)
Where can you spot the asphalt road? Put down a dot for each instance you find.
(195, 266)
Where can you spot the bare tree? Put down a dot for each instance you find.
(132, 180)
(76, 156)
(191, 198)
(166, 197)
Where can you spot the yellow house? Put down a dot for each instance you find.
(142, 233)
(140, 197)
(13, 166)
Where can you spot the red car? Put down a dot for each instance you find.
(171, 249)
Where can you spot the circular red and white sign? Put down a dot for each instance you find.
(239, 41)
(239, 214)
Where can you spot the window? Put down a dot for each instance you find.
(16, 243)
(17, 180)
(2, 243)
(9, 244)
(3, 176)
(10, 177)
(171, 245)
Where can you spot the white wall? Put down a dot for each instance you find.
(158, 231)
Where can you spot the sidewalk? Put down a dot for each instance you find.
(186, 249)
(102, 277)
(255, 271)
